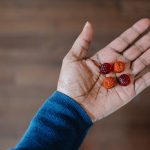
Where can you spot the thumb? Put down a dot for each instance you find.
(80, 48)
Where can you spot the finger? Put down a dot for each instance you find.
(142, 83)
(80, 48)
(130, 35)
(141, 62)
(138, 48)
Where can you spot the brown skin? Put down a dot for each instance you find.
(80, 78)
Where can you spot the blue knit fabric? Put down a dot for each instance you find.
(60, 124)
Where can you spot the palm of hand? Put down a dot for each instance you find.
(81, 80)
(86, 86)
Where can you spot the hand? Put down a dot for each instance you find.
(80, 77)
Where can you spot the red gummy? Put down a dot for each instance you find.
(124, 80)
(106, 68)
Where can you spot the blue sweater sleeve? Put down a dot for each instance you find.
(60, 124)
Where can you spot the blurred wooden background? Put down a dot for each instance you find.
(34, 37)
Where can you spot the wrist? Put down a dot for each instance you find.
(81, 101)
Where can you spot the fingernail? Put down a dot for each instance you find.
(86, 25)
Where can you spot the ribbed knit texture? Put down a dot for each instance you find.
(60, 124)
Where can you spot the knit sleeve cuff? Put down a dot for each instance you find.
(73, 106)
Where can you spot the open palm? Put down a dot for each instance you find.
(80, 77)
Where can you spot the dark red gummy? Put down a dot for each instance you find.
(106, 68)
(124, 80)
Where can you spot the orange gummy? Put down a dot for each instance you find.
(109, 82)
(119, 66)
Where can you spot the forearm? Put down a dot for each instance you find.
(61, 123)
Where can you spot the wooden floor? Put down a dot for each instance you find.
(34, 37)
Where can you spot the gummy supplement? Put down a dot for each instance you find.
(124, 80)
(119, 66)
(105, 68)
(109, 82)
